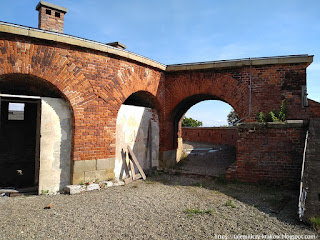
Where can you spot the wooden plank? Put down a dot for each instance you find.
(127, 180)
(133, 157)
(133, 174)
(138, 176)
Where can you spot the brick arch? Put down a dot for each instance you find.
(184, 89)
(45, 62)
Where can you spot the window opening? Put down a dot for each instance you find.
(48, 11)
(57, 14)
(16, 111)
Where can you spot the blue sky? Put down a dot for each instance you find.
(181, 31)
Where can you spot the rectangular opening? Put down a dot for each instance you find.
(48, 11)
(16, 111)
(19, 142)
(57, 14)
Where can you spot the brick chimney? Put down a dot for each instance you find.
(51, 16)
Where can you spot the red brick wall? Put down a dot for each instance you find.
(95, 84)
(215, 135)
(269, 154)
(270, 85)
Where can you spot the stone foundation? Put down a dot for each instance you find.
(93, 170)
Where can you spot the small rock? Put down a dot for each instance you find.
(49, 206)
(93, 186)
(118, 183)
(74, 189)
(108, 183)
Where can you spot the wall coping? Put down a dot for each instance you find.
(76, 41)
(289, 59)
(208, 128)
(85, 43)
(280, 125)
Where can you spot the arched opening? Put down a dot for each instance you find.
(210, 148)
(138, 128)
(35, 134)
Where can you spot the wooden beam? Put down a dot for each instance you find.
(133, 157)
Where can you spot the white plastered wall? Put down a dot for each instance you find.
(55, 145)
(132, 129)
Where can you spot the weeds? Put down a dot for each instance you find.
(315, 222)
(194, 211)
(229, 203)
(44, 192)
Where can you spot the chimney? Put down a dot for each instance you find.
(51, 16)
(117, 45)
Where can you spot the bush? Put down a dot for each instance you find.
(275, 115)
(190, 122)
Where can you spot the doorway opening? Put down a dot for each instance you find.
(19, 142)
(35, 136)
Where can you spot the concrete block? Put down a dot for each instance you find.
(93, 186)
(84, 166)
(74, 189)
(78, 178)
(106, 163)
(118, 183)
(110, 174)
(97, 175)
(108, 183)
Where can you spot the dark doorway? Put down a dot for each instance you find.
(19, 142)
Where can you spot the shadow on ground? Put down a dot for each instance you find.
(277, 202)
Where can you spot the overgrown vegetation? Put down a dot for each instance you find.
(194, 211)
(190, 122)
(315, 222)
(275, 115)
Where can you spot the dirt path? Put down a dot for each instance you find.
(164, 207)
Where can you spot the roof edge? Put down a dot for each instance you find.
(76, 41)
(85, 43)
(289, 59)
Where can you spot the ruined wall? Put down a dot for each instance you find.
(133, 125)
(215, 135)
(270, 152)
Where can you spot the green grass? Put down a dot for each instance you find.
(229, 203)
(194, 211)
(315, 222)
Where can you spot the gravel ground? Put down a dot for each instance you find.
(153, 209)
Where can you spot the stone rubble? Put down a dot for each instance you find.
(76, 189)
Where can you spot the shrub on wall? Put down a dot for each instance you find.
(275, 115)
